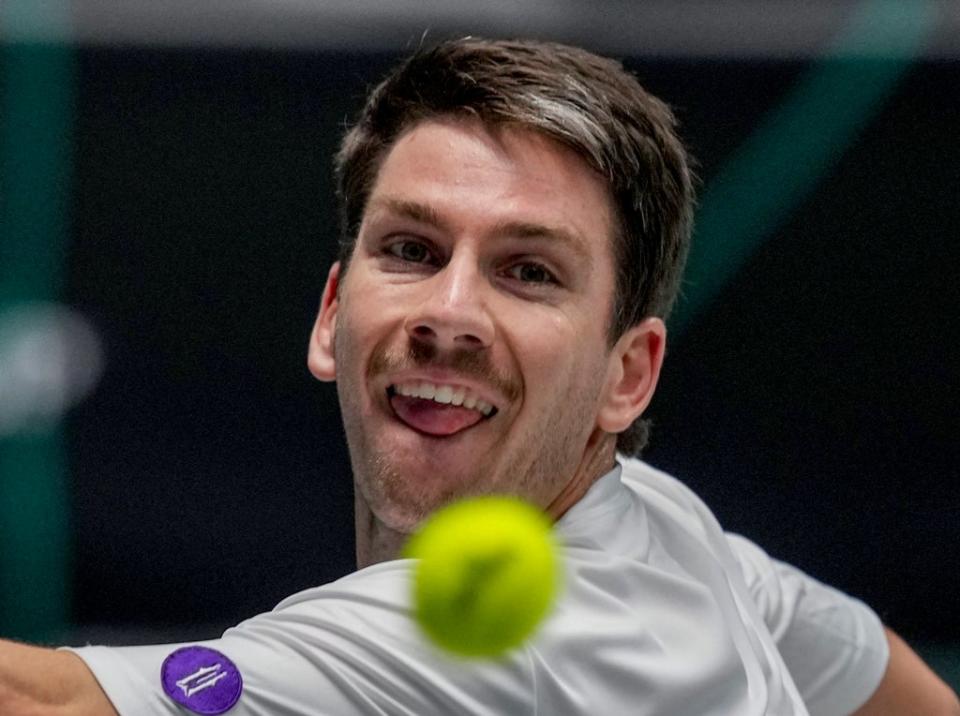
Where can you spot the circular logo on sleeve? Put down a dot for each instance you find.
(201, 679)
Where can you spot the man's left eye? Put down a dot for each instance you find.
(531, 273)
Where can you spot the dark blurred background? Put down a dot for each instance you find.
(185, 217)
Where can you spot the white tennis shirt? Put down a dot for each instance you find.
(662, 613)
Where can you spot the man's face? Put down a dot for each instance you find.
(469, 333)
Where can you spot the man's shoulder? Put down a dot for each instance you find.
(660, 488)
(385, 585)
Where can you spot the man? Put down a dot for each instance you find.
(515, 219)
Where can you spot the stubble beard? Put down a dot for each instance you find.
(536, 466)
(539, 464)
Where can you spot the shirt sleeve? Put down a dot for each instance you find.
(349, 648)
(834, 645)
(275, 683)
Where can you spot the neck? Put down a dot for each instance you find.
(375, 541)
(598, 459)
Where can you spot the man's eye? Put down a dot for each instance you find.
(411, 251)
(531, 273)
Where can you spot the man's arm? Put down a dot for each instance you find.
(909, 686)
(35, 681)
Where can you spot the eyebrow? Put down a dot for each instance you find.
(424, 214)
(529, 230)
(420, 213)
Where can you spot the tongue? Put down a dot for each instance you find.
(433, 418)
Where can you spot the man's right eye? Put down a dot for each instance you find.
(412, 251)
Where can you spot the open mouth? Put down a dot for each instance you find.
(438, 409)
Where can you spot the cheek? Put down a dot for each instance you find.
(356, 339)
(550, 350)
(364, 315)
(373, 306)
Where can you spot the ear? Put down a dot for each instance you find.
(320, 357)
(632, 375)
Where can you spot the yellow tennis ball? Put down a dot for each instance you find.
(487, 574)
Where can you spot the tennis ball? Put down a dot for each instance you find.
(488, 572)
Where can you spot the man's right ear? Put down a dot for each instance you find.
(320, 357)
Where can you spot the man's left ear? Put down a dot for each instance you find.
(632, 375)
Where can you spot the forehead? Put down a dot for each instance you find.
(456, 169)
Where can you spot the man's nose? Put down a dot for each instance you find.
(453, 313)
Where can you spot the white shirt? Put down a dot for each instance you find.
(662, 613)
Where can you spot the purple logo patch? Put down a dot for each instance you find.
(201, 679)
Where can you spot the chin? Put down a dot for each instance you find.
(402, 512)
(401, 500)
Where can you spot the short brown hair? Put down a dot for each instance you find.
(589, 103)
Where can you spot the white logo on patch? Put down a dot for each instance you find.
(203, 678)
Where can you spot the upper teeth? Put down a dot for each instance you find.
(447, 394)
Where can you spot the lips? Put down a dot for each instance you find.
(436, 409)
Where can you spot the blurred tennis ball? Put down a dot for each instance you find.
(487, 575)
